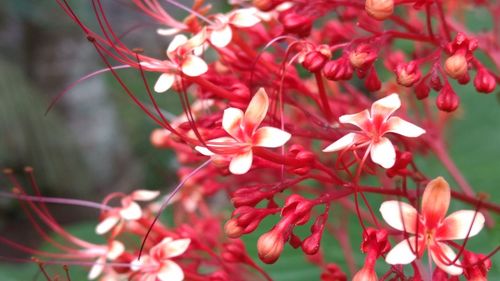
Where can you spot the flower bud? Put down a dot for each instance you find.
(232, 229)
(435, 81)
(367, 273)
(159, 138)
(447, 100)
(464, 79)
(456, 66)
(339, 69)
(484, 81)
(476, 266)
(314, 61)
(422, 90)
(311, 244)
(372, 82)
(266, 5)
(379, 9)
(363, 56)
(234, 251)
(296, 23)
(408, 73)
(270, 245)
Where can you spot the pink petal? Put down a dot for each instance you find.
(197, 40)
(256, 111)
(231, 122)
(360, 119)
(241, 163)
(342, 143)
(176, 247)
(386, 106)
(132, 211)
(203, 150)
(457, 225)
(107, 224)
(167, 31)
(194, 66)
(403, 253)
(270, 137)
(170, 271)
(383, 153)
(115, 250)
(178, 41)
(399, 126)
(164, 82)
(221, 37)
(144, 195)
(435, 202)
(401, 216)
(443, 255)
(97, 268)
(244, 18)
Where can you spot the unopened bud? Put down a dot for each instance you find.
(422, 90)
(232, 229)
(270, 245)
(456, 66)
(363, 56)
(484, 81)
(296, 23)
(408, 73)
(314, 61)
(372, 82)
(447, 100)
(367, 273)
(339, 69)
(379, 9)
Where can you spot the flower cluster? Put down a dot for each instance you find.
(285, 114)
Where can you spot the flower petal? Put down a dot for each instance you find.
(107, 224)
(256, 111)
(360, 119)
(176, 247)
(384, 107)
(400, 215)
(457, 225)
(241, 163)
(383, 153)
(194, 66)
(399, 126)
(131, 211)
(167, 31)
(221, 37)
(231, 122)
(403, 253)
(203, 150)
(144, 195)
(115, 250)
(342, 143)
(164, 82)
(270, 137)
(244, 18)
(97, 268)
(443, 255)
(435, 202)
(178, 41)
(170, 271)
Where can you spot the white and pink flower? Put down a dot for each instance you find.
(221, 32)
(244, 131)
(431, 228)
(374, 125)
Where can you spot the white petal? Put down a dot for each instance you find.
(164, 82)
(203, 150)
(341, 143)
(97, 268)
(443, 255)
(194, 66)
(244, 17)
(386, 106)
(221, 37)
(115, 250)
(167, 31)
(402, 253)
(106, 225)
(170, 271)
(399, 126)
(457, 225)
(400, 215)
(132, 211)
(231, 122)
(178, 41)
(256, 111)
(176, 247)
(144, 195)
(241, 163)
(270, 137)
(383, 153)
(360, 119)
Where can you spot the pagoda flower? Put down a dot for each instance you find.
(430, 227)
(110, 252)
(128, 211)
(244, 134)
(221, 31)
(157, 264)
(183, 54)
(374, 124)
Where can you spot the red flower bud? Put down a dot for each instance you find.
(379, 9)
(447, 100)
(372, 82)
(456, 66)
(232, 229)
(484, 81)
(339, 69)
(463, 80)
(375, 240)
(314, 61)
(270, 245)
(435, 81)
(408, 73)
(234, 251)
(363, 56)
(476, 266)
(367, 273)
(422, 90)
(266, 5)
(296, 23)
